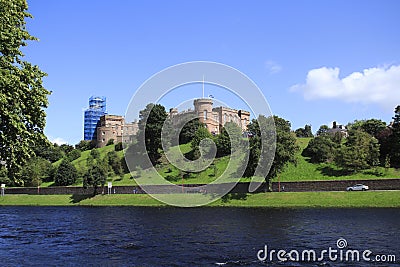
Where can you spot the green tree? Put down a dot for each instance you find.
(66, 174)
(320, 149)
(286, 147)
(119, 146)
(257, 148)
(151, 121)
(66, 148)
(95, 176)
(22, 95)
(230, 137)
(394, 139)
(3, 176)
(304, 132)
(323, 129)
(84, 145)
(371, 126)
(254, 155)
(110, 142)
(361, 151)
(202, 134)
(51, 152)
(95, 153)
(114, 162)
(189, 130)
(35, 171)
(74, 154)
(124, 165)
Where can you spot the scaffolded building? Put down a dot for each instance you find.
(97, 108)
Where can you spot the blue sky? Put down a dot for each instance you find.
(315, 61)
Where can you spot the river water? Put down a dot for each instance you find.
(143, 236)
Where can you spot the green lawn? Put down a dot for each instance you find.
(316, 199)
(272, 200)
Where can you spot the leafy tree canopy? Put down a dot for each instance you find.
(74, 154)
(84, 145)
(66, 174)
(286, 147)
(51, 152)
(189, 130)
(320, 149)
(394, 139)
(35, 171)
(95, 176)
(202, 134)
(323, 129)
(22, 95)
(361, 151)
(229, 138)
(304, 132)
(371, 126)
(151, 121)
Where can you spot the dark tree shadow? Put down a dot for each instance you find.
(329, 171)
(308, 159)
(189, 155)
(172, 178)
(376, 172)
(75, 198)
(234, 196)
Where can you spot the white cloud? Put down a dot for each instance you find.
(58, 141)
(380, 85)
(272, 67)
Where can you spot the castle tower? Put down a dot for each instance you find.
(173, 112)
(204, 110)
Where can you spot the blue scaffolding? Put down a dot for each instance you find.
(97, 108)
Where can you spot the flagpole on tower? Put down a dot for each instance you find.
(203, 86)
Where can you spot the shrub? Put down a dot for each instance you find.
(66, 174)
(110, 142)
(118, 147)
(74, 154)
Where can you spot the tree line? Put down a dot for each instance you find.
(370, 143)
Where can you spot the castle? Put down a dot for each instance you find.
(213, 118)
(114, 127)
(104, 127)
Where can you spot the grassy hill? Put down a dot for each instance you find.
(306, 171)
(302, 171)
(81, 166)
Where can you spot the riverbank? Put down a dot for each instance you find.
(383, 199)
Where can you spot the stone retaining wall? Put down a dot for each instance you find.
(341, 185)
(375, 184)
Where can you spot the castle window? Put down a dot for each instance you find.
(205, 114)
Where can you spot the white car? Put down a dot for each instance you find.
(357, 187)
